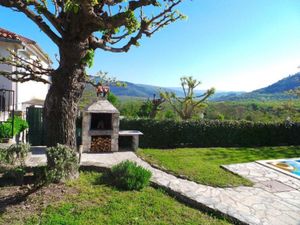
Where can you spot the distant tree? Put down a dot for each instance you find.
(186, 107)
(156, 105)
(113, 99)
(78, 28)
(130, 108)
(145, 109)
(150, 108)
(169, 114)
(295, 92)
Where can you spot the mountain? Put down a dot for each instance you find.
(281, 86)
(146, 91)
(139, 90)
(276, 91)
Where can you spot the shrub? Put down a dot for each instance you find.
(40, 175)
(2, 155)
(17, 153)
(12, 161)
(16, 174)
(62, 163)
(212, 133)
(5, 130)
(19, 126)
(129, 176)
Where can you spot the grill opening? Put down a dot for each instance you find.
(101, 121)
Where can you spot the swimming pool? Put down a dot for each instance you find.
(288, 166)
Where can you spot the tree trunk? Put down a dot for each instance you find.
(60, 109)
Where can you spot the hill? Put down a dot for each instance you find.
(139, 90)
(146, 91)
(276, 91)
(281, 86)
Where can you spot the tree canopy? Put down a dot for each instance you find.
(189, 104)
(78, 28)
(110, 25)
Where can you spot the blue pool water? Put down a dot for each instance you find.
(290, 165)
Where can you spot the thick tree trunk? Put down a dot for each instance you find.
(60, 109)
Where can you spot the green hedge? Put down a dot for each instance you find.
(212, 133)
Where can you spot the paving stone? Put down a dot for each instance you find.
(274, 186)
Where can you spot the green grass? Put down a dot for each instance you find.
(97, 203)
(203, 164)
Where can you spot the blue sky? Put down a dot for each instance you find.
(227, 44)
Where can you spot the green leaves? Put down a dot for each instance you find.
(73, 6)
(189, 105)
(212, 133)
(62, 163)
(129, 176)
(131, 22)
(6, 128)
(89, 58)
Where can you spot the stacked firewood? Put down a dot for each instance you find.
(101, 144)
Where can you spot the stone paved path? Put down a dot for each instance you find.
(261, 204)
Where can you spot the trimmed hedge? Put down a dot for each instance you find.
(212, 133)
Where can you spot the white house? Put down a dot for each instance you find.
(28, 93)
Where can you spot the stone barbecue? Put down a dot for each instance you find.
(100, 127)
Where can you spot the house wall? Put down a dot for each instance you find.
(31, 90)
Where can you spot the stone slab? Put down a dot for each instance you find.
(274, 186)
(130, 133)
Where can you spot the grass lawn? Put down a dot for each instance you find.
(203, 164)
(96, 203)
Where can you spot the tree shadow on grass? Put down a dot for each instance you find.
(104, 177)
(17, 196)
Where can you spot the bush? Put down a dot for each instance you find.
(12, 161)
(16, 174)
(40, 175)
(19, 124)
(6, 128)
(17, 153)
(62, 164)
(212, 133)
(2, 155)
(129, 176)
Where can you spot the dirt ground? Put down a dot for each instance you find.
(20, 202)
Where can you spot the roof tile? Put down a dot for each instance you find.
(13, 36)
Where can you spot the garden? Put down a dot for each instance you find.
(197, 159)
(121, 195)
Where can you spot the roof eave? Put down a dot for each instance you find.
(10, 40)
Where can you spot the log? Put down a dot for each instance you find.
(101, 144)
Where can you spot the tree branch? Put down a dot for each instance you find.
(147, 26)
(25, 70)
(37, 19)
